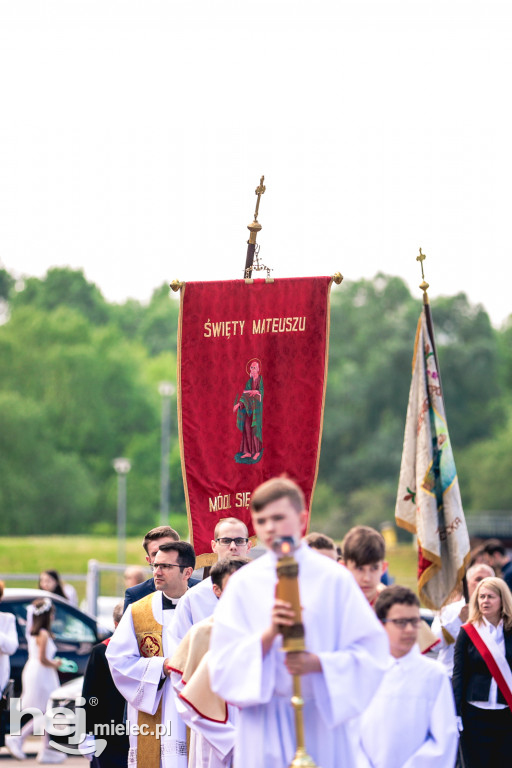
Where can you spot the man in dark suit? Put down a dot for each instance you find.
(152, 540)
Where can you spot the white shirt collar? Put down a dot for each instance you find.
(409, 658)
(496, 632)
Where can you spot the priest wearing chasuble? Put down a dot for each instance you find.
(346, 653)
(137, 654)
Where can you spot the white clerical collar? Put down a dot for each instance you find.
(173, 600)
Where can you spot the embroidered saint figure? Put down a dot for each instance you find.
(249, 415)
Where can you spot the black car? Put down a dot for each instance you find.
(74, 631)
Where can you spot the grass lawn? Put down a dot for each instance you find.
(70, 554)
(403, 565)
(65, 554)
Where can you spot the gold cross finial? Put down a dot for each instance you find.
(421, 258)
(424, 285)
(260, 190)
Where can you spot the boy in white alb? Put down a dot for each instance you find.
(411, 721)
(363, 554)
(210, 719)
(340, 670)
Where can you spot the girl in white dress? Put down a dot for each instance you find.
(39, 679)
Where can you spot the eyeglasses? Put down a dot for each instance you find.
(402, 623)
(226, 541)
(164, 566)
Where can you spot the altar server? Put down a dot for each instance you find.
(346, 647)
(411, 720)
(210, 719)
(230, 539)
(447, 623)
(138, 657)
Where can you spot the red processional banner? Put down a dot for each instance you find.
(252, 371)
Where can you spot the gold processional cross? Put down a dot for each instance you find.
(260, 190)
(424, 285)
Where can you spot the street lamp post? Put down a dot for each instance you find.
(122, 467)
(166, 390)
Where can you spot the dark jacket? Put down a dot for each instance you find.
(146, 588)
(506, 574)
(471, 676)
(98, 686)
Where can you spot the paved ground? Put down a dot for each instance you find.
(31, 747)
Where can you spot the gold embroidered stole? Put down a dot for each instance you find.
(149, 642)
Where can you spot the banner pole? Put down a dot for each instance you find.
(253, 228)
(430, 325)
(428, 315)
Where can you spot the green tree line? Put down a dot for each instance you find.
(79, 386)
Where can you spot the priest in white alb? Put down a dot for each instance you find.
(346, 647)
(137, 654)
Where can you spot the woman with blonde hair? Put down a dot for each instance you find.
(482, 676)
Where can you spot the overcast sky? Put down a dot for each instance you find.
(134, 133)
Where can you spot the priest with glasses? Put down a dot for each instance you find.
(138, 655)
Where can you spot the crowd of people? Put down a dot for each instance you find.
(379, 688)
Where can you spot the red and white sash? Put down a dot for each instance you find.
(493, 656)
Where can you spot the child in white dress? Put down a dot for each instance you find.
(39, 679)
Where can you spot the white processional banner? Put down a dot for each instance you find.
(428, 501)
